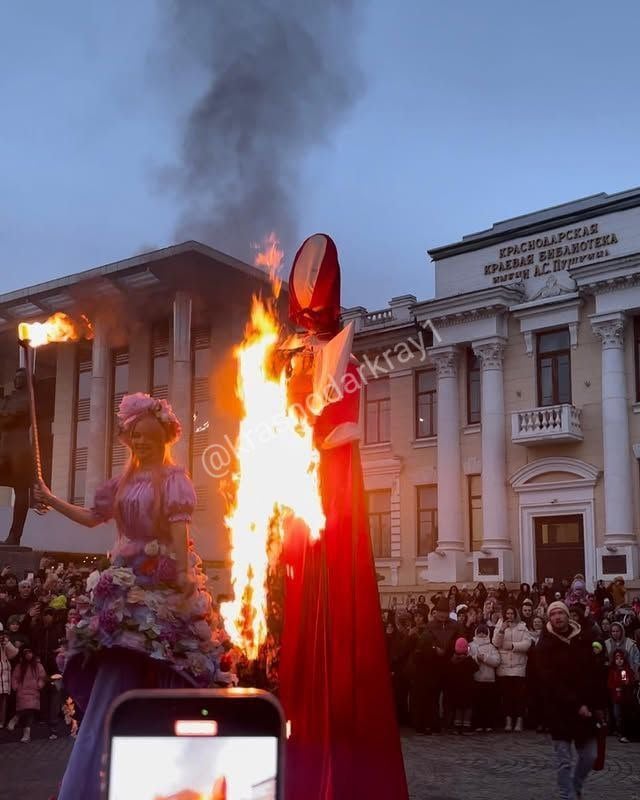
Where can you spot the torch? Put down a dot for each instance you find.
(25, 343)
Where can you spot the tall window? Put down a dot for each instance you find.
(427, 519)
(474, 364)
(426, 403)
(377, 411)
(160, 360)
(379, 508)
(200, 398)
(554, 367)
(119, 387)
(81, 424)
(475, 512)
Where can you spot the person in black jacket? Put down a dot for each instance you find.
(420, 674)
(443, 631)
(574, 696)
(46, 634)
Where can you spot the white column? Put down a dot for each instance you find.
(618, 485)
(450, 525)
(180, 388)
(98, 405)
(494, 445)
(63, 419)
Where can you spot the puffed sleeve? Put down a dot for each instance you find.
(104, 500)
(179, 496)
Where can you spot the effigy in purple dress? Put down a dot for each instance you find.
(141, 630)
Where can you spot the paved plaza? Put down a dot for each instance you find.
(482, 767)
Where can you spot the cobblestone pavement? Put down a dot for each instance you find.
(483, 767)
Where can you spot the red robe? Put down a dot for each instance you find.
(334, 674)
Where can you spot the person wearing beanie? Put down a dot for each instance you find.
(620, 641)
(513, 642)
(460, 686)
(487, 658)
(443, 631)
(574, 693)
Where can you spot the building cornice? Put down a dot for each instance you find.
(545, 220)
(607, 276)
(460, 308)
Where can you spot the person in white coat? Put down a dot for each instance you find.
(487, 658)
(513, 641)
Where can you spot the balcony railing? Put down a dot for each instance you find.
(547, 425)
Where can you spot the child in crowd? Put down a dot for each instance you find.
(621, 684)
(487, 658)
(462, 669)
(27, 681)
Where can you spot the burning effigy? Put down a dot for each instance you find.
(305, 589)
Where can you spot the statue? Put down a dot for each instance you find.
(16, 456)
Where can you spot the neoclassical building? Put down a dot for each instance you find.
(508, 449)
(500, 419)
(165, 322)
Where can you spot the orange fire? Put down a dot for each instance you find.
(276, 478)
(58, 328)
(270, 255)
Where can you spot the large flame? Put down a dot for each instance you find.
(276, 478)
(270, 255)
(58, 328)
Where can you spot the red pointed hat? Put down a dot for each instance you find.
(314, 285)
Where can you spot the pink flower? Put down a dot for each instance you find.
(105, 587)
(109, 621)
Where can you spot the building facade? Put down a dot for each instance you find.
(164, 322)
(507, 447)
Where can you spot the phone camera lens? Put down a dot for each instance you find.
(204, 712)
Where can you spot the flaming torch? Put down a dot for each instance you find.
(58, 328)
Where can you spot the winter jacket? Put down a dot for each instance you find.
(629, 647)
(618, 593)
(28, 690)
(45, 641)
(460, 681)
(7, 652)
(491, 659)
(620, 683)
(513, 643)
(569, 677)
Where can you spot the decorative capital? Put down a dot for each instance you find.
(446, 362)
(490, 353)
(610, 331)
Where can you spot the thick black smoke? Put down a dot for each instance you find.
(280, 75)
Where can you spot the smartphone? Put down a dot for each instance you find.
(213, 744)
(30, 577)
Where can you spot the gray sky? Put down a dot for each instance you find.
(468, 113)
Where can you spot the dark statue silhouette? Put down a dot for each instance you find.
(16, 456)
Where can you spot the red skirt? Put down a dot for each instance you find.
(335, 684)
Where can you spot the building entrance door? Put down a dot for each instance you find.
(559, 547)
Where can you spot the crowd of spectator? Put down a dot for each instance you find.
(468, 659)
(35, 610)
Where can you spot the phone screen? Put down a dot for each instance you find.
(176, 767)
(195, 745)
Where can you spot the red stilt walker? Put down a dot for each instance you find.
(334, 676)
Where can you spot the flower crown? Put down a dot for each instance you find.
(135, 406)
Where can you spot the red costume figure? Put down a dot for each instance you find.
(334, 677)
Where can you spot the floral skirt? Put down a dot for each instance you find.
(137, 605)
